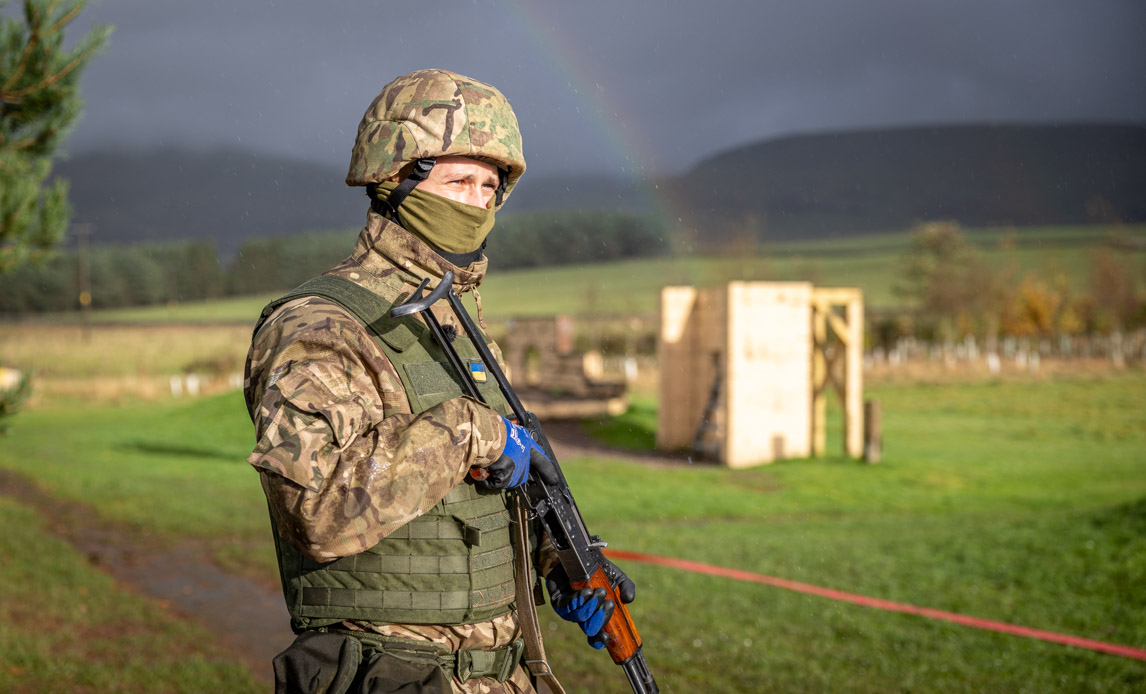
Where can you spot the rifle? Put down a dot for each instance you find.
(578, 552)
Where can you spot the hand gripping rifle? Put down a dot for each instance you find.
(577, 550)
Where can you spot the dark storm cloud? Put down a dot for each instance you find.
(640, 85)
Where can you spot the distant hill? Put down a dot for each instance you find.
(227, 196)
(818, 185)
(580, 192)
(842, 183)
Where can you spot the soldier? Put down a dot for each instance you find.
(397, 568)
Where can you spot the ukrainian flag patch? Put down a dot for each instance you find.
(477, 371)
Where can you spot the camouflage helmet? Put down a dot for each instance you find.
(434, 113)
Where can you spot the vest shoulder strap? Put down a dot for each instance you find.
(370, 309)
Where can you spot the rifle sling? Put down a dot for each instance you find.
(534, 661)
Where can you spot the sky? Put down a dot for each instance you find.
(621, 87)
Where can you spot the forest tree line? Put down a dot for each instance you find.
(947, 288)
(951, 292)
(158, 273)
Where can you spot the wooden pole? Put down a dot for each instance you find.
(84, 277)
(872, 431)
(853, 377)
(819, 380)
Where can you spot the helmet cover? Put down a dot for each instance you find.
(434, 113)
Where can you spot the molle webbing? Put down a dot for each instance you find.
(452, 565)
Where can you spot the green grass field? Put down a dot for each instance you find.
(633, 287)
(1021, 501)
(67, 627)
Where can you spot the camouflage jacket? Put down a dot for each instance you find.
(344, 460)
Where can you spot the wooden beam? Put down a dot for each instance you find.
(840, 327)
(836, 296)
(853, 379)
(819, 378)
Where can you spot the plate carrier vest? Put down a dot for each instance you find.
(451, 565)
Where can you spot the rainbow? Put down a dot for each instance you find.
(633, 154)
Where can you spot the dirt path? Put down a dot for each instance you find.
(250, 619)
(569, 440)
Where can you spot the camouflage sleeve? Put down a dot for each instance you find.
(344, 461)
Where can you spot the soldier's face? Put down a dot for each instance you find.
(463, 180)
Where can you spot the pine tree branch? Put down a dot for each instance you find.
(38, 102)
(39, 138)
(33, 39)
(66, 19)
(16, 212)
(94, 45)
(14, 95)
(53, 79)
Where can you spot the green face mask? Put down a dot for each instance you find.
(445, 224)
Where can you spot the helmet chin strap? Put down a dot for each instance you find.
(389, 207)
(502, 182)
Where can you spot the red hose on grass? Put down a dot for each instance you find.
(976, 622)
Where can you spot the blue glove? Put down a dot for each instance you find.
(588, 607)
(520, 454)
